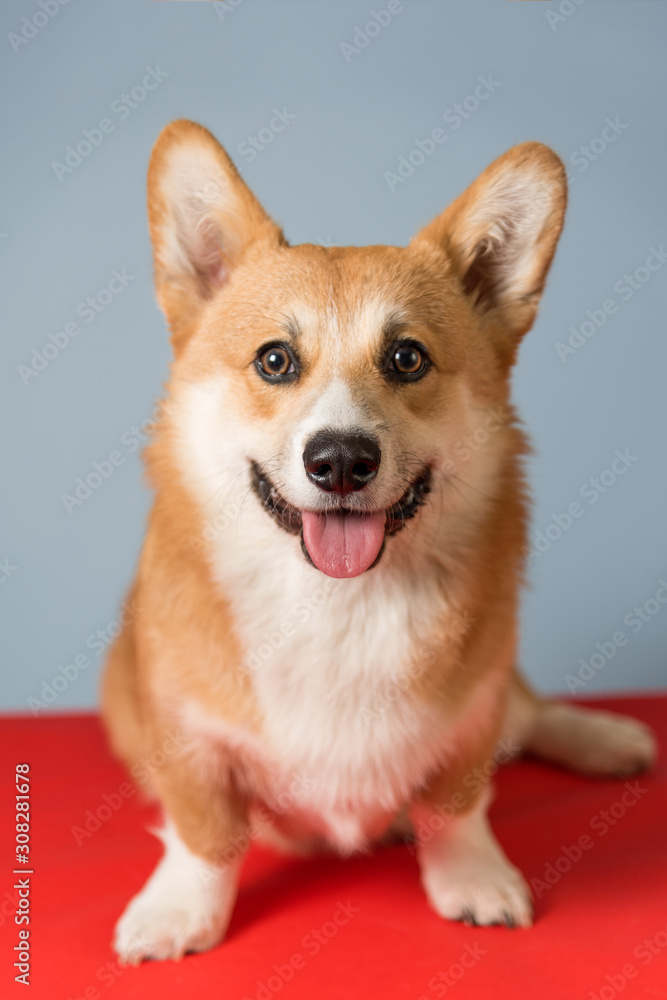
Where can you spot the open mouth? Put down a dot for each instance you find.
(341, 542)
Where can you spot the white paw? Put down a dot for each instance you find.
(465, 873)
(480, 894)
(184, 906)
(160, 927)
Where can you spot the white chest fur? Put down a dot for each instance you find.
(335, 668)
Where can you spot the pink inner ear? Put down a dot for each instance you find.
(201, 243)
(216, 271)
(207, 254)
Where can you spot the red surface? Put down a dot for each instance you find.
(589, 924)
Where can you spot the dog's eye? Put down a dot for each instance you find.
(275, 363)
(407, 361)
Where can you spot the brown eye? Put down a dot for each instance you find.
(407, 360)
(275, 361)
(276, 364)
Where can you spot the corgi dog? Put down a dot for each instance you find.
(323, 650)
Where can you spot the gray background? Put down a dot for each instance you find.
(323, 179)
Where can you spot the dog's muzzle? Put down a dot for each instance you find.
(341, 542)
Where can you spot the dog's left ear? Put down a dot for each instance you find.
(500, 236)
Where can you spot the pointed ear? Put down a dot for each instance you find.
(500, 236)
(202, 219)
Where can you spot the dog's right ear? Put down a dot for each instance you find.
(202, 219)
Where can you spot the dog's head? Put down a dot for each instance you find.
(338, 386)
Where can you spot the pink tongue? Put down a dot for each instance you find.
(343, 545)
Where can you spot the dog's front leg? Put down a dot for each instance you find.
(187, 902)
(464, 870)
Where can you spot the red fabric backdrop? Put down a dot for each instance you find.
(601, 918)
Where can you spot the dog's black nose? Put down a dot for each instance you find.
(341, 463)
